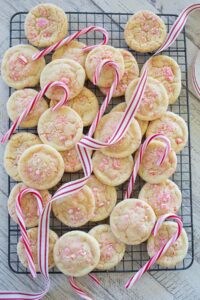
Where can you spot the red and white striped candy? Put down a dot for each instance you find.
(70, 38)
(32, 104)
(80, 291)
(138, 161)
(162, 250)
(22, 225)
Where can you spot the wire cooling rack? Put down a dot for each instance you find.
(135, 256)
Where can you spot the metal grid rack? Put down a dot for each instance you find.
(135, 256)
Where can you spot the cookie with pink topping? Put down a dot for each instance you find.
(145, 31)
(121, 108)
(150, 170)
(112, 171)
(76, 253)
(105, 198)
(172, 126)
(111, 249)
(41, 167)
(18, 70)
(96, 56)
(127, 145)
(33, 239)
(166, 70)
(132, 221)
(61, 128)
(164, 197)
(154, 102)
(28, 205)
(76, 209)
(131, 72)
(66, 70)
(176, 253)
(19, 100)
(45, 25)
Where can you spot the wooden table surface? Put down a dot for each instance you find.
(155, 285)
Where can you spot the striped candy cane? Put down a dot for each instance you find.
(138, 161)
(32, 104)
(80, 291)
(162, 250)
(22, 225)
(70, 38)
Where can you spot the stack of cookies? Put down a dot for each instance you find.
(40, 161)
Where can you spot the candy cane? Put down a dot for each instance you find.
(138, 161)
(22, 225)
(32, 104)
(80, 291)
(162, 250)
(70, 38)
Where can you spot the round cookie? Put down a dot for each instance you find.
(19, 100)
(164, 197)
(28, 205)
(33, 238)
(132, 221)
(129, 143)
(168, 72)
(111, 249)
(176, 253)
(71, 159)
(172, 126)
(18, 143)
(41, 167)
(85, 104)
(45, 25)
(66, 70)
(121, 108)
(18, 70)
(76, 253)
(107, 75)
(61, 128)
(76, 209)
(149, 169)
(131, 72)
(74, 50)
(154, 102)
(112, 171)
(105, 198)
(145, 31)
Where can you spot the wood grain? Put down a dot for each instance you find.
(155, 285)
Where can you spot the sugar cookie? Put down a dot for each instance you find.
(33, 238)
(164, 197)
(18, 70)
(41, 167)
(71, 159)
(105, 198)
(61, 128)
(166, 70)
(28, 204)
(132, 221)
(19, 100)
(176, 253)
(121, 108)
(66, 70)
(76, 253)
(150, 170)
(154, 102)
(145, 31)
(107, 75)
(131, 72)
(127, 145)
(18, 143)
(111, 249)
(74, 50)
(173, 127)
(112, 171)
(76, 209)
(45, 25)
